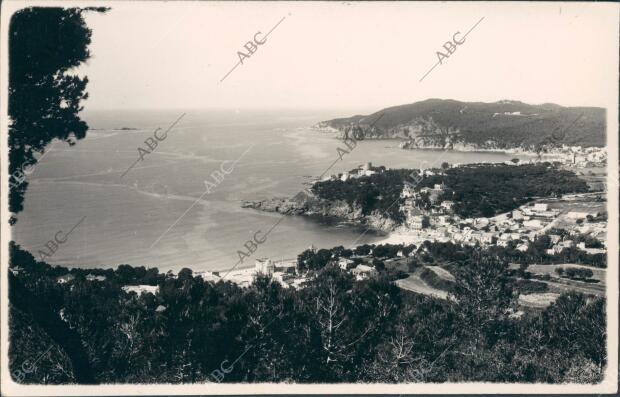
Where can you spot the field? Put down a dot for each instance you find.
(586, 202)
(594, 176)
(442, 273)
(599, 274)
(589, 202)
(538, 301)
(556, 284)
(415, 284)
(559, 285)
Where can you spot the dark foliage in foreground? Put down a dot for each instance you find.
(333, 330)
(45, 44)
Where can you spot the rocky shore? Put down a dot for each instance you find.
(466, 147)
(307, 205)
(433, 140)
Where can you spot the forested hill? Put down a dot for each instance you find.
(503, 124)
(83, 325)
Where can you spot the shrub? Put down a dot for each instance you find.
(432, 279)
(578, 273)
(530, 287)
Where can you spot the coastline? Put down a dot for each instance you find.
(463, 148)
(400, 237)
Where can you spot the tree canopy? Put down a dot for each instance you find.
(334, 329)
(45, 45)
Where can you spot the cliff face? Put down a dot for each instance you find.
(419, 133)
(303, 204)
(419, 127)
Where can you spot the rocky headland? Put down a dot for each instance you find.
(309, 205)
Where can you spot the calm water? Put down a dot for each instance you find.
(126, 216)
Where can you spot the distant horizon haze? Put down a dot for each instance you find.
(362, 109)
(347, 55)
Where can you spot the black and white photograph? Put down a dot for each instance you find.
(203, 197)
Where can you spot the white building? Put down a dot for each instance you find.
(527, 211)
(486, 238)
(286, 265)
(534, 223)
(481, 222)
(264, 266)
(517, 215)
(447, 205)
(523, 247)
(591, 251)
(408, 191)
(547, 214)
(443, 220)
(208, 276)
(140, 289)
(415, 221)
(577, 215)
(345, 263)
(541, 207)
(65, 278)
(283, 278)
(363, 272)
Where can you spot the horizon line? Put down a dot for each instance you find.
(325, 108)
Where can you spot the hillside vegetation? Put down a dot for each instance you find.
(499, 125)
(487, 190)
(192, 330)
(477, 190)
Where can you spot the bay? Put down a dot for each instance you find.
(152, 216)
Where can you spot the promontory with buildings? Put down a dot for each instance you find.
(547, 215)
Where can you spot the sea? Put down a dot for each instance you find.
(180, 204)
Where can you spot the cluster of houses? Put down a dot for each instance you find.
(522, 225)
(528, 222)
(525, 224)
(67, 278)
(286, 271)
(415, 218)
(580, 157)
(560, 244)
(283, 271)
(360, 271)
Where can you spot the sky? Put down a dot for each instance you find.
(362, 56)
